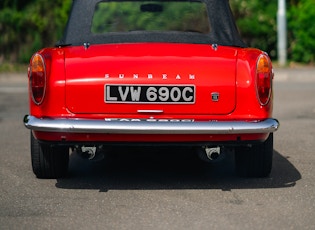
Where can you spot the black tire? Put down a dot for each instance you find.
(255, 161)
(49, 162)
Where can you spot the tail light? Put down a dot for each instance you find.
(37, 73)
(264, 74)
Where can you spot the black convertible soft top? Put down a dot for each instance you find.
(223, 28)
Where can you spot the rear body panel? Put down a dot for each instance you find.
(201, 83)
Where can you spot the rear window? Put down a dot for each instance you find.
(128, 16)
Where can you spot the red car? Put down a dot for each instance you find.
(151, 72)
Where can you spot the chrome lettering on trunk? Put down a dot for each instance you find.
(164, 76)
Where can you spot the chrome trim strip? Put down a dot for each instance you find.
(147, 127)
(150, 111)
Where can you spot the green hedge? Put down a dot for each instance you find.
(257, 22)
(30, 25)
(302, 31)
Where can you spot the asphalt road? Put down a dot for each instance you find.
(153, 190)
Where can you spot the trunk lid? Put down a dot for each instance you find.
(170, 79)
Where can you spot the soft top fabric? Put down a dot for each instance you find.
(223, 28)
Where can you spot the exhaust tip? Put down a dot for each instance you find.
(90, 153)
(213, 153)
(210, 154)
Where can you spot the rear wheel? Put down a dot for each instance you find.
(48, 161)
(255, 161)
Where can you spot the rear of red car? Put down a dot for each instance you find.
(174, 87)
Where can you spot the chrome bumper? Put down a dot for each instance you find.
(149, 127)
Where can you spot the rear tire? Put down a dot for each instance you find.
(49, 162)
(255, 161)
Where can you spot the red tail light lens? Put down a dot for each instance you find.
(37, 78)
(264, 79)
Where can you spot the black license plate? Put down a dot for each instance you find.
(150, 94)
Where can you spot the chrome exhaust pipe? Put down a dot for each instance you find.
(213, 153)
(90, 152)
(209, 154)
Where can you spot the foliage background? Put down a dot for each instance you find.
(28, 25)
